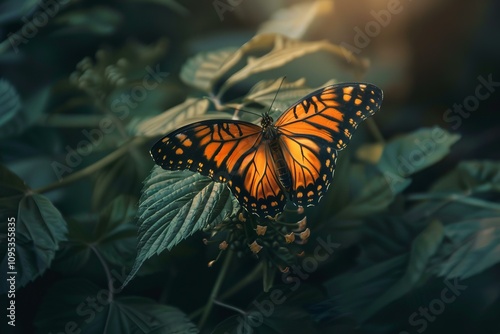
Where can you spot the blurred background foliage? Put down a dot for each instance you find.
(119, 74)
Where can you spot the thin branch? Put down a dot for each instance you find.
(215, 289)
(89, 170)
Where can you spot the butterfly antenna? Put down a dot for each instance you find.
(274, 99)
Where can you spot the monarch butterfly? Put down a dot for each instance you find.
(291, 159)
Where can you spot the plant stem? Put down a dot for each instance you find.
(240, 311)
(89, 170)
(215, 289)
(240, 285)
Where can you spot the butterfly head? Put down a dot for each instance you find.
(266, 121)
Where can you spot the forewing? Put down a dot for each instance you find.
(315, 128)
(331, 115)
(226, 151)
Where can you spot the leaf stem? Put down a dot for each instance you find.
(89, 170)
(215, 289)
(111, 288)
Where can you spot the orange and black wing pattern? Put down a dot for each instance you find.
(315, 128)
(227, 151)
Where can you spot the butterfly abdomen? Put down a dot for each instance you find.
(280, 165)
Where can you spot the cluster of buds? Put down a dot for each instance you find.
(276, 240)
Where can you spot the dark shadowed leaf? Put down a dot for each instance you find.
(173, 206)
(368, 291)
(112, 235)
(473, 246)
(16, 119)
(40, 229)
(98, 20)
(471, 176)
(284, 309)
(370, 192)
(11, 10)
(79, 304)
(10, 103)
(423, 248)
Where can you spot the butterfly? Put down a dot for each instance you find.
(264, 166)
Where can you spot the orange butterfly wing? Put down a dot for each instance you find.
(315, 128)
(227, 151)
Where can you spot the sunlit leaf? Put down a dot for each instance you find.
(278, 51)
(173, 206)
(264, 92)
(84, 307)
(202, 70)
(39, 230)
(295, 21)
(189, 111)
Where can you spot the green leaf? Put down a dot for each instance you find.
(122, 177)
(40, 229)
(370, 192)
(112, 235)
(10, 103)
(171, 4)
(474, 246)
(173, 206)
(202, 70)
(423, 248)
(376, 286)
(282, 310)
(78, 304)
(354, 291)
(98, 20)
(11, 10)
(471, 176)
(413, 152)
(15, 120)
(187, 112)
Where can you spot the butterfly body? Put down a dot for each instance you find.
(291, 159)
